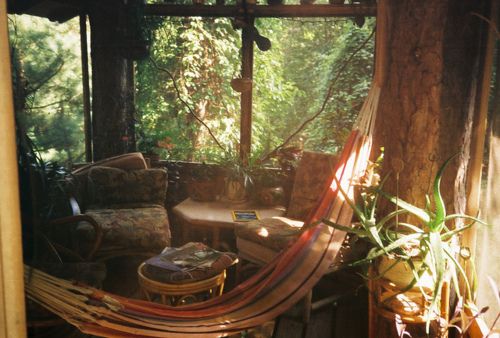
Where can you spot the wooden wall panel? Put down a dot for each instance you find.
(12, 313)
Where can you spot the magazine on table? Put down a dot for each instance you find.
(187, 257)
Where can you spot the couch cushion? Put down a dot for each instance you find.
(274, 233)
(141, 228)
(110, 186)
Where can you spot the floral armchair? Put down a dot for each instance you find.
(126, 200)
(259, 241)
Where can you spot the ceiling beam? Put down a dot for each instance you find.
(262, 11)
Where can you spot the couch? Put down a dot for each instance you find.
(126, 199)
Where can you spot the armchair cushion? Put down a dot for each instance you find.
(111, 186)
(130, 161)
(140, 228)
(274, 233)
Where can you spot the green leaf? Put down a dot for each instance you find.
(458, 266)
(394, 245)
(437, 251)
(420, 213)
(438, 222)
(359, 232)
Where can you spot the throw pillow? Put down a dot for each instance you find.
(111, 186)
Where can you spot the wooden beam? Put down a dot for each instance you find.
(262, 11)
(87, 121)
(12, 310)
(247, 46)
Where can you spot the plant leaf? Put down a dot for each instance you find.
(359, 232)
(436, 247)
(420, 213)
(439, 219)
(359, 213)
(394, 245)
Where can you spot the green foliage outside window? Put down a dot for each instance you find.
(47, 70)
(203, 55)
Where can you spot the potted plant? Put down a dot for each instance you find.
(203, 183)
(411, 263)
(269, 186)
(239, 177)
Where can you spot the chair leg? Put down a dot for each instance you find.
(306, 311)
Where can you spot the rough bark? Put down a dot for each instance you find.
(112, 84)
(428, 100)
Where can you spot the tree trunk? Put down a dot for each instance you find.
(428, 99)
(112, 83)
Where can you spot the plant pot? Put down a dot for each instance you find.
(235, 191)
(271, 196)
(400, 273)
(202, 191)
(411, 305)
(241, 84)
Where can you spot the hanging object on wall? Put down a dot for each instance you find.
(263, 43)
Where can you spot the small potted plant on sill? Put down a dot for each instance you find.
(203, 183)
(268, 188)
(239, 177)
(411, 264)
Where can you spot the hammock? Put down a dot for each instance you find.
(264, 296)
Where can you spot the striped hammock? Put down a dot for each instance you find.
(264, 296)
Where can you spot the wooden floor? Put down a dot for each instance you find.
(346, 317)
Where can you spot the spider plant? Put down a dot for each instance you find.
(431, 240)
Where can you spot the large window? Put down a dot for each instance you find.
(308, 58)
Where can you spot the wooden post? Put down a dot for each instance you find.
(478, 136)
(246, 96)
(87, 122)
(12, 310)
(111, 81)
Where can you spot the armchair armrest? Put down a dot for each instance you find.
(84, 218)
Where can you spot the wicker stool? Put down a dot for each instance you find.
(181, 293)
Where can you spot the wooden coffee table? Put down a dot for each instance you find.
(214, 216)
